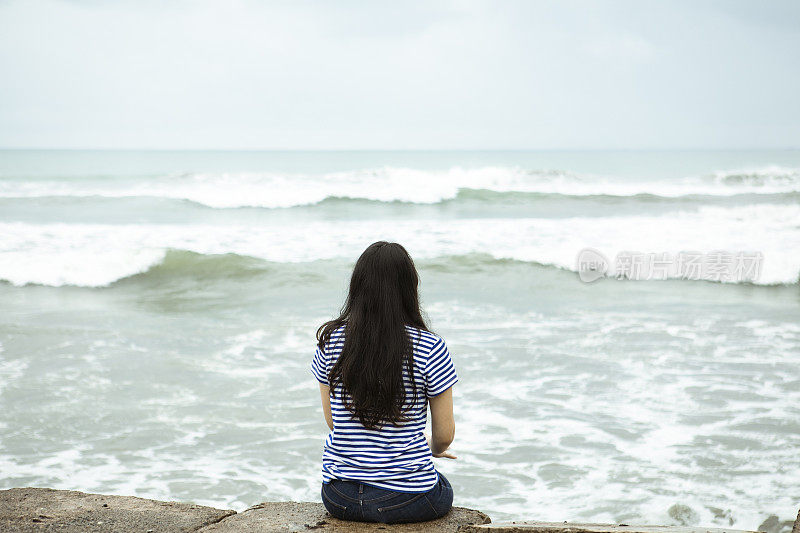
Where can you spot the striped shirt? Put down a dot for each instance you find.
(389, 457)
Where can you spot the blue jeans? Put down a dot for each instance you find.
(360, 502)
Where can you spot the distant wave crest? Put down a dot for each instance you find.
(391, 184)
(773, 178)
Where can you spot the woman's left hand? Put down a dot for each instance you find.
(446, 454)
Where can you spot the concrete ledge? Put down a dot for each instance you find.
(30, 509)
(569, 527)
(36, 509)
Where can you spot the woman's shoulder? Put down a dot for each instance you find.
(423, 339)
(335, 340)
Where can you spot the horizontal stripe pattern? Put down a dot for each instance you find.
(390, 457)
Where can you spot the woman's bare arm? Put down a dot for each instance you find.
(443, 425)
(325, 394)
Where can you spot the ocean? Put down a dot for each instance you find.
(159, 311)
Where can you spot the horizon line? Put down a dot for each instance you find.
(601, 149)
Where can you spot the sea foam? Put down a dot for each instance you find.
(98, 254)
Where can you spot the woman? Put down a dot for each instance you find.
(378, 367)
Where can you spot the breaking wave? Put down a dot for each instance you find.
(96, 255)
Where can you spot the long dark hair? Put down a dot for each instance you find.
(382, 300)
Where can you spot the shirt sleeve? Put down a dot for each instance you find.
(440, 374)
(319, 366)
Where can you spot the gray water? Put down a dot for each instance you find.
(159, 310)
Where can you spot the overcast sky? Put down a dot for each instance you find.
(396, 74)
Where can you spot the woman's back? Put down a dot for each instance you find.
(394, 457)
(378, 365)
